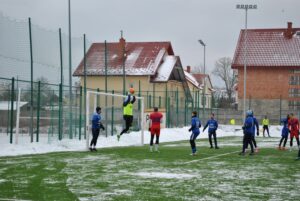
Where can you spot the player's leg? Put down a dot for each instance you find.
(280, 142)
(157, 140)
(215, 139)
(251, 145)
(157, 133)
(264, 128)
(128, 122)
(297, 139)
(267, 127)
(209, 138)
(96, 138)
(291, 140)
(244, 145)
(284, 142)
(253, 141)
(151, 142)
(93, 139)
(193, 144)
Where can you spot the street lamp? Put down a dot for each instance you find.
(204, 84)
(245, 7)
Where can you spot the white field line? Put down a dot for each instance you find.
(211, 157)
(12, 199)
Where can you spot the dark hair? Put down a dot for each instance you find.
(155, 109)
(98, 108)
(194, 113)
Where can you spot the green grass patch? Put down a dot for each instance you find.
(133, 173)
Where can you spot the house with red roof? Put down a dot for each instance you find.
(151, 68)
(273, 69)
(196, 85)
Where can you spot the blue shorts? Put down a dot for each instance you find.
(194, 136)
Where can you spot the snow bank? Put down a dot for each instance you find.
(46, 144)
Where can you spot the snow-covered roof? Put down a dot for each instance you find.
(165, 69)
(5, 105)
(141, 58)
(191, 79)
(268, 47)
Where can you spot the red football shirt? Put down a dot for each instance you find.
(155, 119)
(293, 124)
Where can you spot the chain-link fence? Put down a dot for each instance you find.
(37, 62)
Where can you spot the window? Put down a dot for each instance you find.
(294, 71)
(294, 105)
(294, 93)
(294, 80)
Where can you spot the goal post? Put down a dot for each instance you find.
(89, 99)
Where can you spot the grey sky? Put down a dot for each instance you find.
(182, 22)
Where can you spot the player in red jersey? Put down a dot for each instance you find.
(293, 125)
(154, 128)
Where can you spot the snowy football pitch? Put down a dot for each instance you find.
(133, 173)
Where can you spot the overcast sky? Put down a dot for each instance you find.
(182, 22)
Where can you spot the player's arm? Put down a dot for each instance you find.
(204, 126)
(133, 99)
(126, 101)
(193, 125)
(150, 122)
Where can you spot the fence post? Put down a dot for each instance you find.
(177, 105)
(98, 98)
(169, 112)
(185, 112)
(280, 109)
(31, 82)
(60, 112)
(153, 95)
(51, 106)
(80, 112)
(84, 81)
(166, 96)
(12, 109)
(159, 102)
(8, 116)
(150, 101)
(139, 101)
(112, 113)
(38, 111)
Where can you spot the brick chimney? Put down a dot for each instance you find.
(289, 31)
(122, 50)
(188, 69)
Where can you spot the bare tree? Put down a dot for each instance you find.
(223, 70)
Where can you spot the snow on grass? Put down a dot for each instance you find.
(49, 143)
(164, 175)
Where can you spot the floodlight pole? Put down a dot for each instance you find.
(204, 81)
(245, 7)
(70, 72)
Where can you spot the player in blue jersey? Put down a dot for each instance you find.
(253, 133)
(96, 125)
(212, 125)
(284, 133)
(195, 128)
(248, 132)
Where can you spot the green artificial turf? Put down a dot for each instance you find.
(133, 173)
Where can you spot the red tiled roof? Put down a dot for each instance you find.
(142, 58)
(268, 47)
(200, 77)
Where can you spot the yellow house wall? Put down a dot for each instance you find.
(116, 83)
